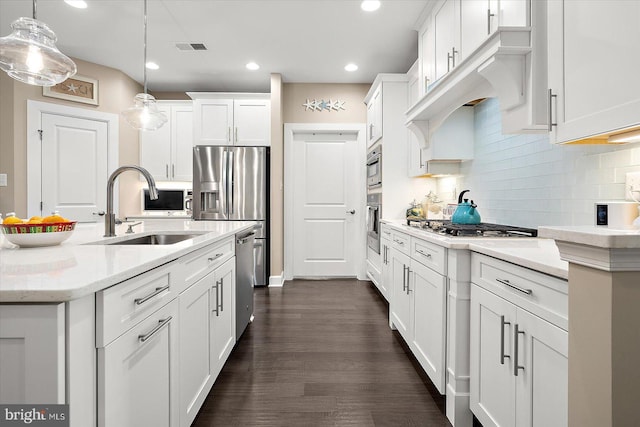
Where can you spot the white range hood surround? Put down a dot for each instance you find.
(505, 66)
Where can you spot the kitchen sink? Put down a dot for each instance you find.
(152, 239)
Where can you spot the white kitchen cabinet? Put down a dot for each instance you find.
(384, 285)
(588, 96)
(418, 305)
(223, 317)
(416, 165)
(447, 37)
(195, 346)
(232, 119)
(519, 347)
(138, 374)
(374, 117)
(167, 153)
(32, 342)
(427, 57)
(481, 18)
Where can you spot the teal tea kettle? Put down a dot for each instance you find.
(466, 212)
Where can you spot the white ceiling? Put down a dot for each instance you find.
(304, 40)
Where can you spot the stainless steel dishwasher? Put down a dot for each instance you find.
(245, 280)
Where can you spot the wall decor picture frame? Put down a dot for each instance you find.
(76, 88)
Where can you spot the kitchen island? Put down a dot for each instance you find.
(108, 329)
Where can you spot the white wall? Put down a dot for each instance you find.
(524, 180)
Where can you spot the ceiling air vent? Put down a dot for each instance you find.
(191, 46)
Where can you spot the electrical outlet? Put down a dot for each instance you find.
(3, 179)
(632, 186)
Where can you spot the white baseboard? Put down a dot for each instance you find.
(276, 281)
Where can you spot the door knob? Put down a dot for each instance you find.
(352, 212)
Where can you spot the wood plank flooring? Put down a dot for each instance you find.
(320, 353)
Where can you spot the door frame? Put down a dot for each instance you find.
(290, 129)
(35, 110)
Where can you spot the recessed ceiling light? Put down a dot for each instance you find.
(152, 66)
(253, 66)
(80, 4)
(351, 67)
(370, 5)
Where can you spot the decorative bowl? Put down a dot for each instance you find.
(36, 235)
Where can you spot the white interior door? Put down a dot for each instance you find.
(74, 166)
(326, 212)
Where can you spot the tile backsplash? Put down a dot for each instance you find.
(524, 180)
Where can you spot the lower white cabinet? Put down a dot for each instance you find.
(519, 360)
(418, 308)
(383, 284)
(138, 374)
(223, 317)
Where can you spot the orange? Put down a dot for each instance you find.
(12, 220)
(53, 219)
(35, 220)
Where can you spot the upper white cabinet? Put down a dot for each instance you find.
(167, 152)
(232, 119)
(374, 117)
(447, 37)
(594, 88)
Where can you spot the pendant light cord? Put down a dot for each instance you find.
(144, 65)
(35, 10)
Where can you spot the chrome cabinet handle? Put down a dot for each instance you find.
(173, 170)
(211, 259)
(352, 212)
(236, 137)
(222, 294)
(409, 280)
(398, 242)
(516, 367)
(166, 170)
(229, 134)
(453, 57)
(489, 16)
(371, 131)
(551, 123)
(448, 62)
(502, 355)
(142, 300)
(99, 213)
(217, 299)
(161, 323)
(512, 286)
(423, 253)
(426, 83)
(404, 278)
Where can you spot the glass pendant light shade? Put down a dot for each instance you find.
(29, 54)
(144, 114)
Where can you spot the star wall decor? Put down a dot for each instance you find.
(323, 105)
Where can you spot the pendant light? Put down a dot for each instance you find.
(144, 114)
(29, 54)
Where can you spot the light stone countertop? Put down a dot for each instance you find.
(77, 268)
(602, 237)
(535, 253)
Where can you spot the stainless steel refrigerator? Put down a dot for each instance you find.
(231, 184)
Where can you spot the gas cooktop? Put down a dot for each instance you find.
(484, 229)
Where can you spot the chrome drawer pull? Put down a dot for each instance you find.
(142, 300)
(214, 258)
(217, 310)
(144, 337)
(502, 355)
(423, 253)
(398, 242)
(222, 294)
(517, 288)
(516, 367)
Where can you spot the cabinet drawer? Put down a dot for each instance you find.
(539, 293)
(386, 231)
(122, 306)
(200, 262)
(430, 255)
(401, 242)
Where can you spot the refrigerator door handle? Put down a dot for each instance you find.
(225, 179)
(231, 183)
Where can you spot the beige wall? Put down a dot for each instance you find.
(296, 94)
(115, 93)
(286, 107)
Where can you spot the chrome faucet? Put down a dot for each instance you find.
(110, 217)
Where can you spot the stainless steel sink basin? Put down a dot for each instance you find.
(153, 239)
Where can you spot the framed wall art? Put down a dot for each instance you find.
(76, 88)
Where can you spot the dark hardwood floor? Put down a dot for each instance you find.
(320, 353)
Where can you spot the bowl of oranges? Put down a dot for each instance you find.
(37, 231)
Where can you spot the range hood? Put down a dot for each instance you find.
(510, 65)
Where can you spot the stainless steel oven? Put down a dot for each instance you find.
(374, 210)
(374, 168)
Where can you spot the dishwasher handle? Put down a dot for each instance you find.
(244, 239)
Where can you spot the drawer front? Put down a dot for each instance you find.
(386, 231)
(429, 255)
(401, 242)
(122, 306)
(539, 293)
(200, 262)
